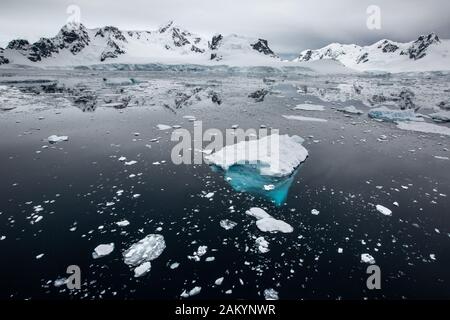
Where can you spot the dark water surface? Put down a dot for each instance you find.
(347, 173)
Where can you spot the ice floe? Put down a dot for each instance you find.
(367, 258)
(301, 118)
(219, 281)
(383, 210)
(163, 127)
(424, 127)
(144, 250)
(385, 114)
(270, 294)
(102, 250)
(227, 224)
(441, 116)
(194, 291)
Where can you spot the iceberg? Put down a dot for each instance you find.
(270, 294)
(301, 118)
(383, 210)
(56, 139)
(145, 250)
(424, 127)
(142, 269)
(250, 166)
(389, 115)
(367, 258)
(309, 107)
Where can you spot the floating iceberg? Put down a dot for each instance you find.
(270, 294)
(262, 244)
(145, 250)
(266, 223)
(251, 165)
(301, 118)
(367, 258)
(389, 115)
(142, 269)
(424, 127)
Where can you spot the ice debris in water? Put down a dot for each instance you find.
(315, 212)
(274, 155)
(350, 110)
(266, 223)
(389, 115)
(102, 250)
(367, 258)
(142, 269)
(309, 107)
(123, 223)
(263, 245)
(270, 294)
(201, 251)
(227, 224)
(56, 139)
(145, 250)
(174, 265)
(383, 210)
(194, 291)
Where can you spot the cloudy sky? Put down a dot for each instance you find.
(289, 25)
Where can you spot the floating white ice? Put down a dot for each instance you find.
(274, 155)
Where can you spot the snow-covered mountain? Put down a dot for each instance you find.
(427, 53)
(77, 45)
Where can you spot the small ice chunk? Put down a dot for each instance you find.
(219, 281)
(340, 250)
(315, 212)
(269, 187)
(383, 210)
(39, 256)
(56, 139)
(263, 245)
(270, 294)
(210, 259)
(350, 110)
(142, 269)
(227, 224)
(274, 155)
(174, 265)
(130, 163)
(103, 250)
(209, 195)
(367, 258)
(145, 250)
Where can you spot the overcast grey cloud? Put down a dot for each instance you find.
(289, 25)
